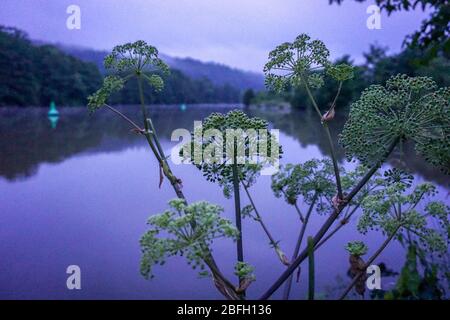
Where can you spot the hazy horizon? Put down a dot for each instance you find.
(235, 33)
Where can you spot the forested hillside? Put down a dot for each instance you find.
(34, 75)
(219, 74)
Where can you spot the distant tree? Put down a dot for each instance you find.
(178, 88)
(37, 75)
(18, 86)
(377, 68)
(248, 97)
(433, 35)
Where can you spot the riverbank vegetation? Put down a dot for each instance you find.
(377, 68)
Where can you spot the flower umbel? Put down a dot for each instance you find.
(400, 205)
(292, 63)
(127, 61)
(406, 108)
(173, 233)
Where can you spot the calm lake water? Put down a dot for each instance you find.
(80, 194)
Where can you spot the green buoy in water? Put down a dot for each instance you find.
(53, 115)
(53, 111)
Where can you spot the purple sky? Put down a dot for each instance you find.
(239, 33)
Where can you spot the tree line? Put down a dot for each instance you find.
(35, 75)
(378, 66)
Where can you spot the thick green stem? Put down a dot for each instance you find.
(287, 288)
(330, 142)
(142, 101)
(302, 219)
(237, 208)
(220, 281)
(337, 95)
(148, 133)
(155, 136)
(152, 139)
(328, 223)
(335, 163)
(311, 267)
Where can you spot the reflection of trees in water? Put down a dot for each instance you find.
(27, 140)
(406, 158)
(305, 127)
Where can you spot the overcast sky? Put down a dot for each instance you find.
(239, 33)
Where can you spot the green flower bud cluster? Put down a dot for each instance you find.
(134, 57)
(290, 64)
(398, 204)
(406, 108)
(395, 175)
(111, 84)
(439, 237)
(315, 81)
(340, 72)
(221, 171)
(314, 177)
(128, 60)
(173, 233)
(357, 248)
(244, 270)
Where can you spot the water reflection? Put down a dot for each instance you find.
(90, 209)
(53, 121)
(304, 127)
(27, 140)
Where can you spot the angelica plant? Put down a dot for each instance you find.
(136, 60)
(230, 159)
(407, 108)
(313, 184)
(172, 233)
(397, 209)
(303, 63)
